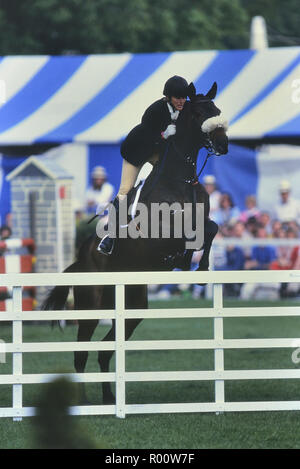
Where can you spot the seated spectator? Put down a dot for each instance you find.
(292, 225)
(235, 259)
(251, 226)
(232, 258)
(276, 228)
(295, 258)
(264, 219)
(283, 253)
(227, 211)
(209, 182)
(100, 193)
(239, 231)
(292, 289)
(288, 208)
(5, 233)
(251, 209)
(261, 256)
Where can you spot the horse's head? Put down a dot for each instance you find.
(208, 118)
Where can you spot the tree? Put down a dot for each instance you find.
(110, 26)
(282, 19)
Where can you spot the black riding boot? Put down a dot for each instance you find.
(210, 231)
(107, 244)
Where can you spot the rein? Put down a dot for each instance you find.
(210, 152)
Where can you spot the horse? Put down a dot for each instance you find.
(172, 179)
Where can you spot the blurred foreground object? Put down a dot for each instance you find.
(54, 428)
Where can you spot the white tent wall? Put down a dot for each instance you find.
(275, 163)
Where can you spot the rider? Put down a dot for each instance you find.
(158, 124)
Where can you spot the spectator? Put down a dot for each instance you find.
(239, 231)
(261, 256)
(295, 258)
(289, 290)
(288, 209)
(276, 228)
(8, 220)
(231, 258)
(283, 253)
(5, 233)
(251, 226)
(100, 193)
(227, 212)
(214, 195)
(219, 253)
(251, 209)
(264, 219)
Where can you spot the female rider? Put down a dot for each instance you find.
(158, 124)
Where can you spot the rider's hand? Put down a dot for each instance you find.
(170, 130)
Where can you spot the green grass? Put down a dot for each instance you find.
(177, 431)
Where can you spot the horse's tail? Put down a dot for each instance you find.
(57, 297)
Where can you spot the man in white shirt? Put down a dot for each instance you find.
(100, 193)
(288, 209)
(214, 195)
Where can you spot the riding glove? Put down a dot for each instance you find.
(170, 130)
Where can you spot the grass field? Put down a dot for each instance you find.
(177, 431)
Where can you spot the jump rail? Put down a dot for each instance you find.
(218, 312)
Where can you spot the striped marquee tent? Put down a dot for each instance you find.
(95, 100)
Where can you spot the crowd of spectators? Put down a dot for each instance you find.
(250, 225)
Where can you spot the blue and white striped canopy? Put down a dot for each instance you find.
(99, 98)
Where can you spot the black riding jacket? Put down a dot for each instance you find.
(145, 139)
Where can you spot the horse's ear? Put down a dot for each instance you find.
(191, 90)
(211, 94)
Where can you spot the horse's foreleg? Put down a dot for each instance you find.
(85, 297)
(135, 297)
(85, 332)
(210, 231)
(105, 356)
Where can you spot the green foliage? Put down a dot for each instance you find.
(282, 19)
(115, 26)
(111, 26)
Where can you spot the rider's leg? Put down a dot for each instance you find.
(210, 231)
(128, 179)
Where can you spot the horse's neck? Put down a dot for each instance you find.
(188, 138)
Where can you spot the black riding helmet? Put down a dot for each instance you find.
(176, 86)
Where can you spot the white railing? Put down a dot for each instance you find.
(217, 312)
(251, 242)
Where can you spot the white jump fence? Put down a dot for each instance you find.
(217, 312)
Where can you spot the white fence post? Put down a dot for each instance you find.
(120, 351)
(218, 335)
(17, 398)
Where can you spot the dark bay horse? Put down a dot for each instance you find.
(173, 179)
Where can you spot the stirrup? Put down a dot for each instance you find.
(106, 245)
